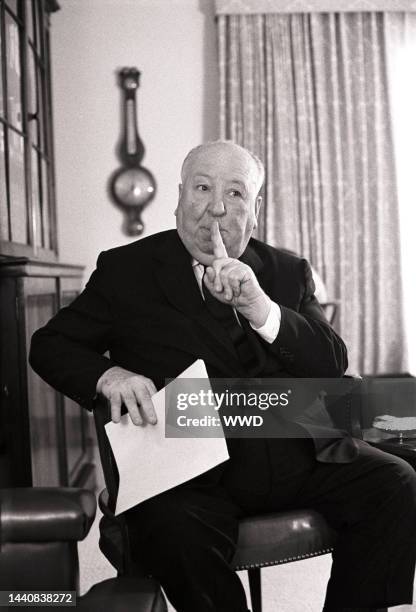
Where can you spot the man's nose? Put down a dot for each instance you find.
(216, 205)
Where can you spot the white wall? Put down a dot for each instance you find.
(172, 43)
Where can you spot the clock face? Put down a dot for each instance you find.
(133, 187)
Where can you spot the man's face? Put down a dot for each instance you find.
(219, 185)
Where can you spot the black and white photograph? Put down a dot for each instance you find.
(207, 283)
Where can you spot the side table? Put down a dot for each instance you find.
(390, 444)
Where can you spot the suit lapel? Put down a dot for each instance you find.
(251, 258)
(176, 278)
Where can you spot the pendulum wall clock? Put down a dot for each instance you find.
(132, 186)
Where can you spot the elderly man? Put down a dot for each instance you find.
(210, 291)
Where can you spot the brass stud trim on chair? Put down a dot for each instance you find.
(317, 553)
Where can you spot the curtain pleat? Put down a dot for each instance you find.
(308, 94)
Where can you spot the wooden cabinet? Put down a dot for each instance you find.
(44, 437)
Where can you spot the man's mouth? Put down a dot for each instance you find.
(207, 231)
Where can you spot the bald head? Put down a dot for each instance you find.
(227, 147)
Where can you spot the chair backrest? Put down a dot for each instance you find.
(388, 393)
(102, 415)
(345, 408)
(114, 536)
(331, 310)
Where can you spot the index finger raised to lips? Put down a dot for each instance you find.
(217, 241)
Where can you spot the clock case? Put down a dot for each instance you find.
(131, 151)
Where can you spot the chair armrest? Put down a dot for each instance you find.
(45, 514)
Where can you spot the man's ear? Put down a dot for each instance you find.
(179, 196)
(257, 205)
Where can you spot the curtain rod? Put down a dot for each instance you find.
(247, 7)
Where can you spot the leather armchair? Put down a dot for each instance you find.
(264, 540)
(39, 531)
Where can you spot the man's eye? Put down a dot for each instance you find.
(202, 187)
(235, 193)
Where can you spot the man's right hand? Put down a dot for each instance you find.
(121, 386)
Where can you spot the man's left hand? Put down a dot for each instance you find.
(233, 282)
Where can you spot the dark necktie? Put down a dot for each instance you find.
(225, 315)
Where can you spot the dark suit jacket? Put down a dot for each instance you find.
(143, 305)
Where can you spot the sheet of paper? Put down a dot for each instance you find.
(149, 463)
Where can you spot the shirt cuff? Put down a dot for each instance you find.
(271, 328)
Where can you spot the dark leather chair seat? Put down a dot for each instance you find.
(281, 537)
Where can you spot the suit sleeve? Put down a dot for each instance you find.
(306, 344)
(68, 351)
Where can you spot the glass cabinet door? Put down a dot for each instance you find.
(4, 208)
(13, 128)
(27, 206)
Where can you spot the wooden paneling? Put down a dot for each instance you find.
(44, 405)
(14, 418)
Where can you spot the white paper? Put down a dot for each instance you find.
(149, 463)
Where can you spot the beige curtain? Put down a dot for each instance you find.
(400, 30)
(308, 93)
